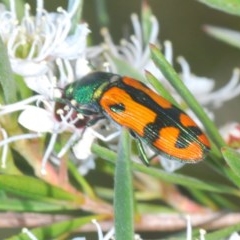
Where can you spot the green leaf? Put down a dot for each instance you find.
(123, 191)
(214, 201)
(17, 205)
(228, 36)
(87, 189)
(171, 75)
(175, 178)
(232, 157)
(186, 181)
(146, 21)
(223, 233)
(224, 202)
(10, 167)
(23, 90)
(158, 86)
(6, 77)
(228, 6)
(35, 188)
(203, 198)
(56, 230)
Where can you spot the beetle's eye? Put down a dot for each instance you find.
(118, 107)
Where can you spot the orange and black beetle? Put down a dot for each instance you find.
(149, 117)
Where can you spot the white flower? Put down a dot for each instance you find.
(74, 46)
(136, 51)
(47, 83)
(170, 165)
(46, 119)
(40, 48)
(36, 40)
(82, 151)
(81, 68)
(42, 117)
(234, 236)
(42, 120)
(37, 119)
(202, 87)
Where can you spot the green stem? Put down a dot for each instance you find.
(123, 191)
(174, 178)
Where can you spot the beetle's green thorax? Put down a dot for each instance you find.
(87, 90)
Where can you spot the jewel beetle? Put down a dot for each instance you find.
(151, 119)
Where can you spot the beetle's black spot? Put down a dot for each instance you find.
(184, 138)
(151, 131)
(182, 141)
(119, 107)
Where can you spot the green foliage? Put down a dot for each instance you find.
(57, 230)
(232, 157)
(34, 188)
(228, 6)
(123, 196)
(228, 36)
(7, 83)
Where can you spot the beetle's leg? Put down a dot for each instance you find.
(93, 121)
(141, 151)
(84, 111)
(153, 156)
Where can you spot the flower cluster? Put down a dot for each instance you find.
(45, 52)
(48, 52)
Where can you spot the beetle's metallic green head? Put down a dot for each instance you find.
(86, 91)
